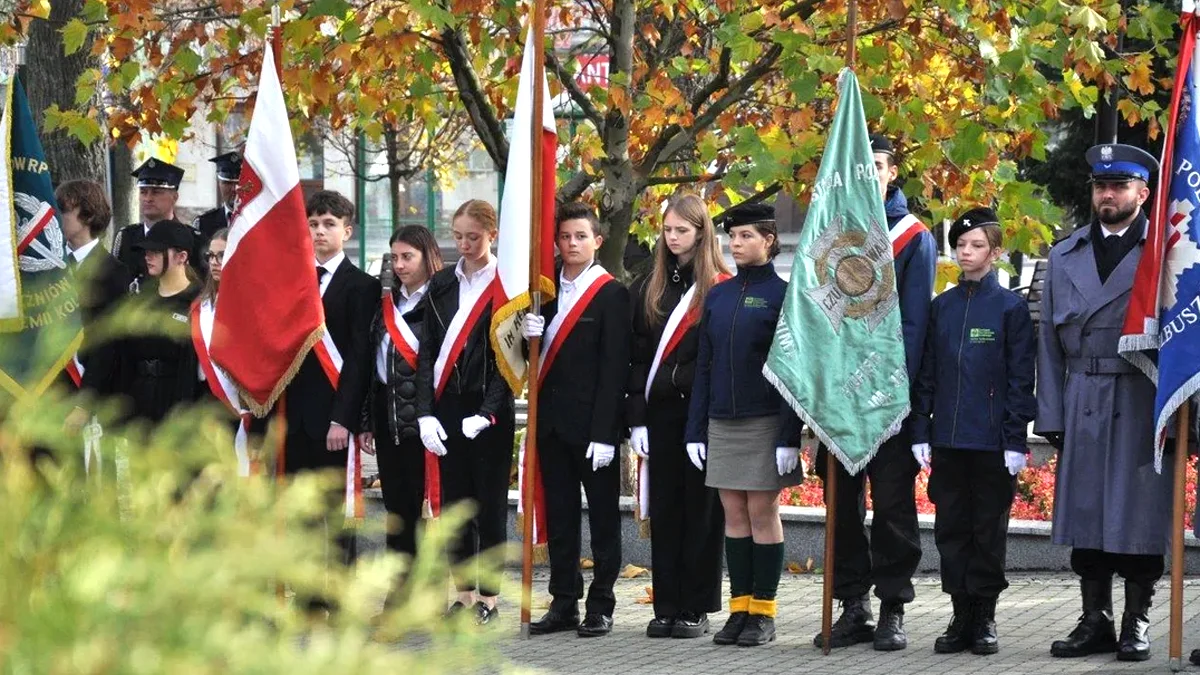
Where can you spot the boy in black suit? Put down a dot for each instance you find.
(322, 418)
(585, 361)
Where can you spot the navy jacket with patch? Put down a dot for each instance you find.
(975, 388)
(914, 282)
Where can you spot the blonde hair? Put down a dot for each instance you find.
(707, 262)
(481, 212)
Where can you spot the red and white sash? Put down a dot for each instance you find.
(331, 362)
(904, 231)
(591, 281)
(403, 338)
(219, 383)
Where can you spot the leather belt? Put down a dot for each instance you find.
(1100, 365)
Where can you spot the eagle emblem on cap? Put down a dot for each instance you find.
(152, 163)
(1106, 153)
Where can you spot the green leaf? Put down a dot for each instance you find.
(805, 86)
(85, 85)
(969, 145)
(336, 8)
(1087, 18)
(74, 33)
(94, 11)
(188, 60)
(872, 55)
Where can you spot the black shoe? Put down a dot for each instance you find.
(728, 635)
(855, 625)
(957, 636)
(1134, 643)
(485, 615)
(759, 630)
(690, 625)
(660, 627)
(889, 633)
(985, 639)
(595, 625)
(554, 622)
(1195, 657)
(453, 610)
(1095, 632)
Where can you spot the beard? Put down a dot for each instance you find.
(1115, 214)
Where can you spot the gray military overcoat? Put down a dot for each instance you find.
(1107, 495)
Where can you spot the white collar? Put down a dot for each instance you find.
(569, 284)
(462, 275)
(82, 252)
(333, 263)
(1108, 233)
(416, 294)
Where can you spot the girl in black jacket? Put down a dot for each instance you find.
(687, 523)
(464, 405)
(392, 398)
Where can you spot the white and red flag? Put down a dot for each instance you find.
(512, 285)
(269, 313)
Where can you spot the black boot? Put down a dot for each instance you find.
(759, 630)
(1095, 632)
(728, 635)
(1134, 644)
(855, 625)
(957, 637)
(889, 634)
(985, 639)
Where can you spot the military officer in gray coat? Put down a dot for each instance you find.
(1110, 506)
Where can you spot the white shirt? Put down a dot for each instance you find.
(407, 304)
(82, 252)
(569, 291)
(470, 288)
(1121, 232)
(330, 267)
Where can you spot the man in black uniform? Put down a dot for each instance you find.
(229, 168)
(158, 191)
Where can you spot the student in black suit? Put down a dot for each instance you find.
(585, 366)
(464, 405)
(158, 192)
(320, 419)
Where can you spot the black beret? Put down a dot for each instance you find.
(976, 217)
(880, 143)
(167, 234)
(756, 213)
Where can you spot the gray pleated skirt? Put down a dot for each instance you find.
(741, 455)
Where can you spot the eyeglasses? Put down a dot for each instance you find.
(215, 256)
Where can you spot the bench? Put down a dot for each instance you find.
(1033, 292)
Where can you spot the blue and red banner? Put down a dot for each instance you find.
(1162, 327)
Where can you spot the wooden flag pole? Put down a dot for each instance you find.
(831, 463)
(1175, 651)
(538, 15)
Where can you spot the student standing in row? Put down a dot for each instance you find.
(687, 522)
(976, 383)
(464, 406)
(584, 367)
(741, 427)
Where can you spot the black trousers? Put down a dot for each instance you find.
(973, 492)
(305, 454)
(402, 474)
(890, 557)
(476, 471)
(1095, 565)
(687, 523)
(564, 468)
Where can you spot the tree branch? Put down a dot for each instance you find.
(470, 92)
(685, 180)
(575, 187)
(572, 87)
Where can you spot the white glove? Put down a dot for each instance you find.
(601, 454)
(1015, 461)
(921, 452)
(533, 326)
(639, 440)
(471, 426)
(786, 460)
(432, 435)
(697, 452)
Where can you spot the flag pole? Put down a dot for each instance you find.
(831, 463)
(535, 295)
(1175, 652)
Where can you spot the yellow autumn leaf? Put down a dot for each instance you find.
(586, 564)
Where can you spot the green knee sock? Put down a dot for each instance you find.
(739, 560)
(768, 567)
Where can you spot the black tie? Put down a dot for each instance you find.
(72, 263)
(321, 272)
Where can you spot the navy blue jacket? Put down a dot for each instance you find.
(736, 329)
(914, 282)
(976, 377)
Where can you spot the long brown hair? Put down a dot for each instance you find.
(707, 262)
(420, 238)
(210, 285)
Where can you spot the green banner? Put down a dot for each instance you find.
(838, 353)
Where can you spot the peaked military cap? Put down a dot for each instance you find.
(229, 166)
(1118, 163)
(155, 172)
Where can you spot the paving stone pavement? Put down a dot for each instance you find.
(1035, 610)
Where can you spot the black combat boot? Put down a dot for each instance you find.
(1095, 632)
(855, 625)
(1134, 643)
(985, 639)
(889, 634)
(957, 637)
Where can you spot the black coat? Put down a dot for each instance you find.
(102, 282)
(672, 384)
(582, 396)
(475, 372)
(312, 403)
(401, 378)
(157, 371)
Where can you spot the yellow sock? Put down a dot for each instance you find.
(739, 604)
(762, 607)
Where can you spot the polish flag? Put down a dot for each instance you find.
(269, 311)
(514, 250)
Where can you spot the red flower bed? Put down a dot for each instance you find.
(1034, 498)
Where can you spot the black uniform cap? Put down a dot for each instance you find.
(1118, 163)
(756, 213)
(975, 218)
(156, 173)
(167, 234)
(229, 166)
(880, 143)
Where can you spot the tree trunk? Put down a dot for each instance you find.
(393, 160)
(124, 210)
(49, 78)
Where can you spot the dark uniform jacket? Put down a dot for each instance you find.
(102, 282)
(672, 384)
(401, 383)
